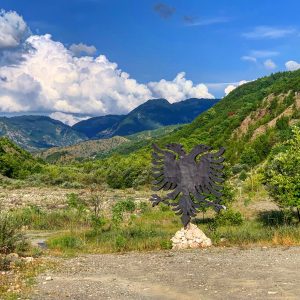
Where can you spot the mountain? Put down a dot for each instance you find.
(82, 150)
(93, 126)
(38, 132)
(35, 133)
(148, 116)
(95, 149)
(251, 122)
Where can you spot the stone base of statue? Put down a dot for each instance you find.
(191, 237)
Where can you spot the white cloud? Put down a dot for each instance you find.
(292, 65)
(263, 53)
(178, 89)
(269, 64)
(13, 29)
(67, 118)
(49, 78)
(232, 87)
(80, 49)
(267, 32)
(249, 58)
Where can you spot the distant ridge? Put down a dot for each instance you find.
(35, 133)
(38, 132)
(148, 116)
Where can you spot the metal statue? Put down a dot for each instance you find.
(193, 178)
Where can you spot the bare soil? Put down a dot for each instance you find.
(215, 273)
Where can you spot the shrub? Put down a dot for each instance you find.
(229, 217)
(282, 174)
(10, 237)
(121, 207)
(120, 242)
(276, 218)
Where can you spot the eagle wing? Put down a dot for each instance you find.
(210, 170)
(165, 172)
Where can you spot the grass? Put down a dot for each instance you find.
(140, 228)
(19, 281)
(253, 232)
(151, 230)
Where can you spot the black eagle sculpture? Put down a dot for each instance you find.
(192, 177)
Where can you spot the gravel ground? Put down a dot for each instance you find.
(216, 273)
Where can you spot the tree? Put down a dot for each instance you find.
(282, 174)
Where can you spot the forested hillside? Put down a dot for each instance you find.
(249, 122)
(38, 132)
(16, 162)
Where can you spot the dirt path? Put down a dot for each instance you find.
(217, 273)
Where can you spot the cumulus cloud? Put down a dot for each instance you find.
(68, 119)
(13, 29)
(81, 49)
(269, 64)
(51, 79)
(292, 65)
(232, 87)
(178, 89)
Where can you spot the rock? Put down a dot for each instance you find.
(48, 278)
(28, 259)
(191, 237)
(272, 293)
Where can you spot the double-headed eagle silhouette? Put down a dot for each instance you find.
(193, 178)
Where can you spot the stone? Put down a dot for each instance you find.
(28, 259)
(192, 237)
(48, 278)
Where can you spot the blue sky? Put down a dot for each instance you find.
(213, 42)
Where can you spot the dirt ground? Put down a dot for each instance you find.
(216, 273)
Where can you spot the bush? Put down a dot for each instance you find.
(276, 218)
(229, 217)
(11, 239)
(243, 175)
(282, 174)
(121, 207)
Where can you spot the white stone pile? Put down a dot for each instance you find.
(191, 237)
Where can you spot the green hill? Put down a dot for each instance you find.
(253, 118)
(249, 122)
(83, 150)
(38, 132)
(16, 162)
(95, 149)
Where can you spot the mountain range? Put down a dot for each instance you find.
(148, 116)
(35, 133)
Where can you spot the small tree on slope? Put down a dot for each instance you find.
(282, 174)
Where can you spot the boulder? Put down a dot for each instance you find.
(190, 237)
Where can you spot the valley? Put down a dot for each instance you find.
(90, 200)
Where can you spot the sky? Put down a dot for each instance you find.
(73, 59)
